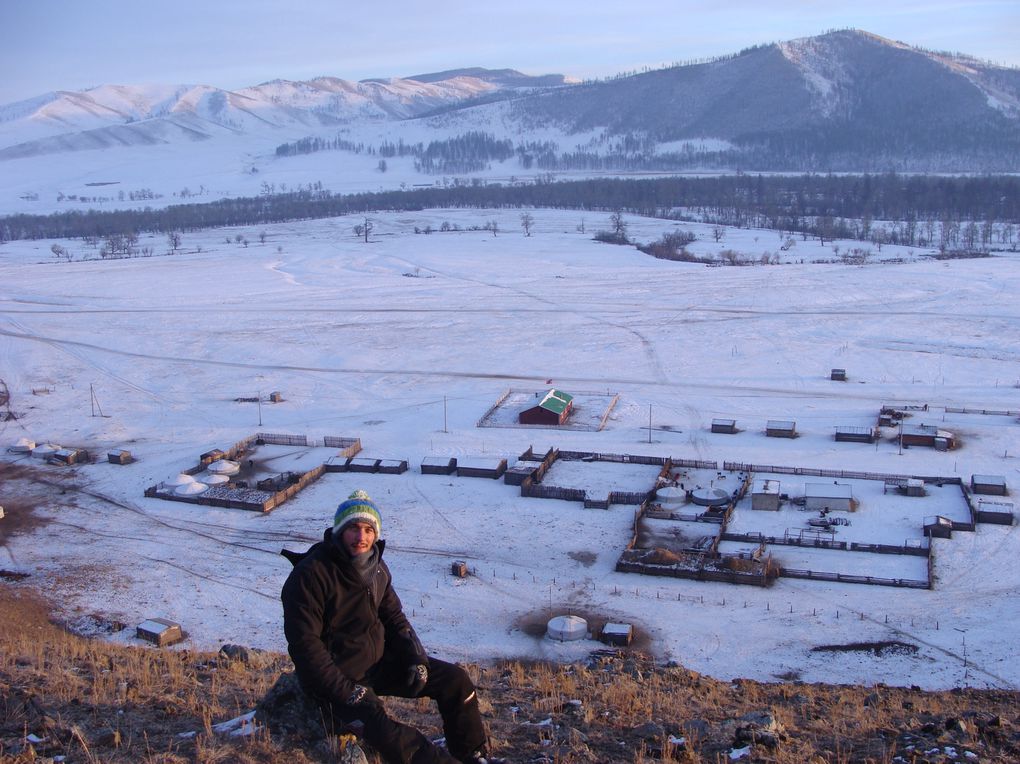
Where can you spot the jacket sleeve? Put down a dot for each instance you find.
(400, 635)
(304, 597)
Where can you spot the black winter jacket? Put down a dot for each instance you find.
(339, 626)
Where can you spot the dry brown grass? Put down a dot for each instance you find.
(93, 701)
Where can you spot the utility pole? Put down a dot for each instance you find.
(260, 407)
(95, 402)
(444, 414)
(649, 422)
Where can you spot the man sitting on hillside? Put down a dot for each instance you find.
(350, 642)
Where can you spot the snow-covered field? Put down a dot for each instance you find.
(406, 342)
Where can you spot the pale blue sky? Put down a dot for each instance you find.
(70, 44)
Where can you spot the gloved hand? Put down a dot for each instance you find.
(361, 695)
(416, 678)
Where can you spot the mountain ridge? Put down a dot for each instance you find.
(846, 101)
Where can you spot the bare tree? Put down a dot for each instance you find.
(619, 225)
(526, 222)
(362, 230)
(173, 241)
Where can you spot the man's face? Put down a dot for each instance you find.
(357, 537)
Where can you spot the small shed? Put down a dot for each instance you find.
(765, 494)
(997, 512)
(780, 428)
(992, 485)
(938, 527)
(914, 487)
(838, 375)
(23, 446)
(521, 471)
(45, 450)
(160, 632)
(459, 569)
(276, 397)
(726, 426)
(480, 466)
(119, 456)
(69, 456)
(553, 409)
(927, 435)
(393, 466)
(211, 456)
(618, 634)
(438, 465)
(828, 496)
(855, 434)
(362, 464)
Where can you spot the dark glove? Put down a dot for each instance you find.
(361, 696)
(417, 677)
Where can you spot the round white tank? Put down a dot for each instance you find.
(191, 489)
(710, 497)
(211, 478)
(224, 467)
(46, 450)
(671, 495)
(183, 479)
(567, 628)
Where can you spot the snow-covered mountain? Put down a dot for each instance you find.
(116, 115)
(843, 101)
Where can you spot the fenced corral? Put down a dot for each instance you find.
(270, 491)
(590, 410)
(530, 478)
(749, 569)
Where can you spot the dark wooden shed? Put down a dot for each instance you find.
(992, 485)
(855, 434)
(777, 428)
(553, 409)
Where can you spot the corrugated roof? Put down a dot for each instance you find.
(556, 401)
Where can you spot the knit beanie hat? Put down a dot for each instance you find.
(358, 507)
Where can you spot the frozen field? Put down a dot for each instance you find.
(406, 342)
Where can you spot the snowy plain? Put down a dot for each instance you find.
(406, 341)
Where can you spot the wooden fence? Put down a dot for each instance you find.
(279, 439)
(816, 575)
(849, 474)
(988, 412)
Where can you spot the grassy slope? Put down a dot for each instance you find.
(98, 702)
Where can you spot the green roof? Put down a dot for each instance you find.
(556, 401)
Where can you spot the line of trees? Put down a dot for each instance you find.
(920, 207)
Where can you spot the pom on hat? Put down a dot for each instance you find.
(358, 507)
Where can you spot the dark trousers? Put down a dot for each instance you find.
(397, 743)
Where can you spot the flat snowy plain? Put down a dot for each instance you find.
(406, 341)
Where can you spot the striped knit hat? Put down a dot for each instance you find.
(358, 508)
